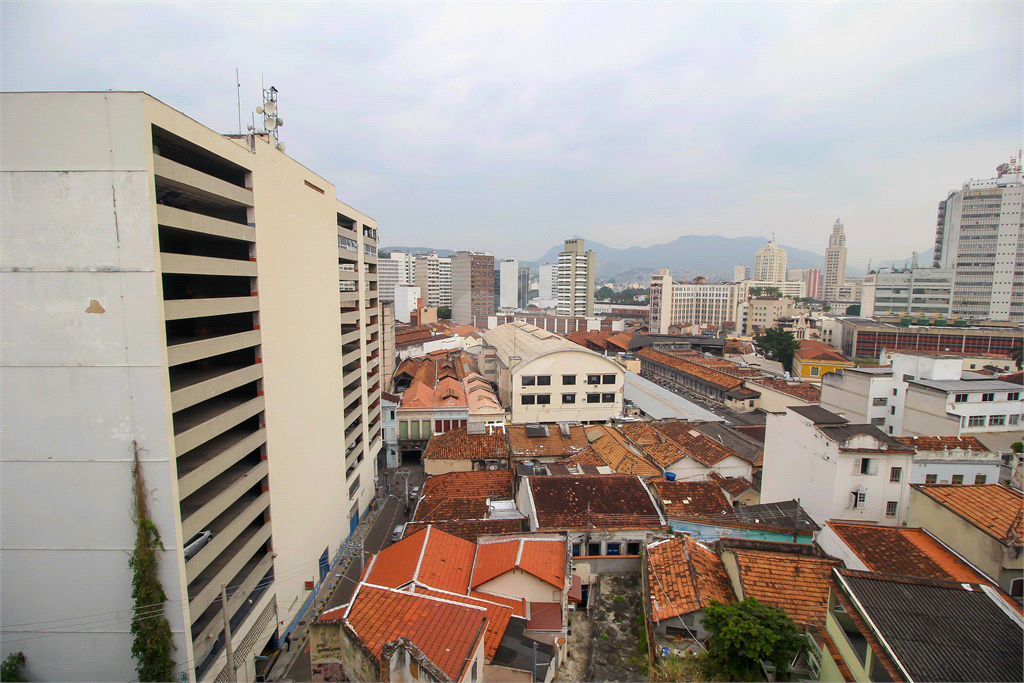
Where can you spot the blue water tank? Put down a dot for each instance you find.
(670, 476)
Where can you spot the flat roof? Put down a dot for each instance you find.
(967, 385)
(660, 403)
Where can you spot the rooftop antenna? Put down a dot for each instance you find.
(271, 121)
(238, 93)
(913, 259)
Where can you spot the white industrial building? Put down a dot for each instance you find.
(173, 293)
(912, 291)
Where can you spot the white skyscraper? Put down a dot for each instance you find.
(979, 233)
(770, 263)
(509, 283)
(548, 276)
(575, 280)
(835, 262)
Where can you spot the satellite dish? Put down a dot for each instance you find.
(280, 122)
(271, 124)
(259, 110)
(249, 126)
(280, 146)
(270, 108)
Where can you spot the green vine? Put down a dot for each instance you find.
(153, 640)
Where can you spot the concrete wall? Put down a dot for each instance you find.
(519, 584)
(569, 362)
(434, 466)
(84, 376)
(689, 469)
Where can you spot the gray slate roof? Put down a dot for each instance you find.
(818, 415)
(660, 403)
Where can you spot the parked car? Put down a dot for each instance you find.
(197, 543)
(414, 493)
(397, 534)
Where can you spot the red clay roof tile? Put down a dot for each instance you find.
(457, 444)
(797, 583)
(683, 577)
(996, 509)
(542, 558)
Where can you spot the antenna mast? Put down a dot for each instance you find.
(238, 93)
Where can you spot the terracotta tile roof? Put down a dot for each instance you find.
(615, 501)
(702, 498)
(471, 529)
(683, 577)
(431, 557)
(719, 379)
(480, 484)
(734, 486)
(669, 441)
(996, 509)
(542, 558)
(447, 632)
(815, 351)
(610, 446)
(621, 341)
(517, 605)
(796, 583)
(497, 616)
(418, 395)
(449, 393)
(552, 445)
(545, 616)
(457, 444)
(585, 457)
(910, 552)
(805, 392)
(938, 443)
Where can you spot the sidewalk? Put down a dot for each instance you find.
(341, 581)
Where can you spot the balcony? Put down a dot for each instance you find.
(191, 351)
(182, 219)
(191, 182)
(178, 309)
(201, 423)
(196, 386)
(201, 465)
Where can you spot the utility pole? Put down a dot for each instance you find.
(227, 634)
(534, 660)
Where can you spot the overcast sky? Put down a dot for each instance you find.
(509, 127)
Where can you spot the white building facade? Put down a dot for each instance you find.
(913, 291)
(509, 276)
(835, 262)
(575, 285)
(770, 263)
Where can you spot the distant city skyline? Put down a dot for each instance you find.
(508, 126)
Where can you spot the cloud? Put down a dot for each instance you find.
(508, 127)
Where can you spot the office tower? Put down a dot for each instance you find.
(444, 281)
(911, 291)
(182, 308)
(509, 275)
(548, 281)
(427, 276)
(472, 286)
(980, 234)
(696, 302)
(740, 273)
(524, 286)
(575, 280)
(813, 279)
(835, 262)
(770, 263)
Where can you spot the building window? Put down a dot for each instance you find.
(890, 508)
(890, 429)
(957, 479)
(1014, 419)
(414, 429)
(632, 548)
(593, 379)
(988, 397)
(568, 398)
(593, 398)
(895, 392)
(859, 499)
(996, 420)
(593, 549)
(544, 399)
(608, 379)
(892, 410)
(607, 398)
(880, 401)
(1017, 588)
(865, 466)
(931, 478)
(403, 429)
(568, 379)
(976, 421)
(1013, 396)
(814, 372)
(960, 398)
(355, 487)
(575, 549)
(528, 399)
(980, 479)
(896, 474)
(544, 380)
(529, 380)
(878, 421)
(613, 549)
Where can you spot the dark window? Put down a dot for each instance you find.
(988, 397)
(957, 479)
(1013, 396)
(980, 478)
(575, 549)
(529, 399)
(593, 398)
(891, 507)
(865, 466)
(608, 379)
(896, 474)
(614, 549)
(544, 380)
(632, 548)
(593, 379)
(895, 392)
(568, 398)
(529, 380)
(568, 379)
(593, 549)
(544, 399)
(931, 478)
(607, 398)
(960, 398)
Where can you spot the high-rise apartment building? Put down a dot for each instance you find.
(171, 297)
(524, 286)
(444, 281)
(697, 302)
(770, 263)
(835, 262)
(575, 292)
(472, 286)
(396, 270)
(509, 275)
(980, 234)
(740, 273)
(548, 281)
(427, 276)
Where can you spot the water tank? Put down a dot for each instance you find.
(670, 476)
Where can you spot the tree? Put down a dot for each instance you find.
(605, 292)
(10, 670)
(1018, 356)
(444, 312)
(778, 344)
(745, 633)
(153, 640)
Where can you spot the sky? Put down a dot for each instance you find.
(510, 127)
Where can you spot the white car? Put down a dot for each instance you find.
(197, 543)
(397, 534)
(414, 493)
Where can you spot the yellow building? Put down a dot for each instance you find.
(815, 358)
